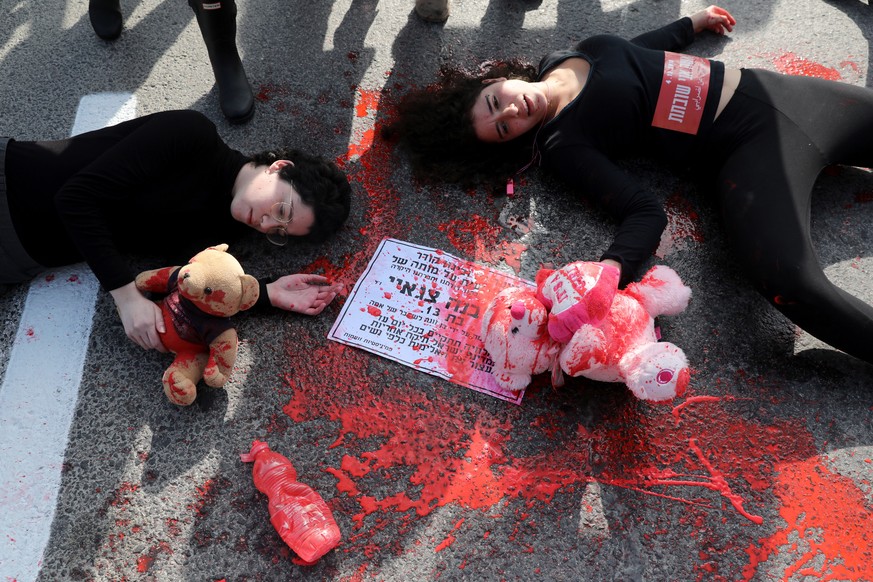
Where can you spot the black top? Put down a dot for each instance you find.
(159, 184)
(613, 117)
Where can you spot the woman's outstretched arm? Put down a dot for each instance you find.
(677, 35)
(301, 293)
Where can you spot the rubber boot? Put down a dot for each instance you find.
(432, 10)
(105, 16)
(217, 21)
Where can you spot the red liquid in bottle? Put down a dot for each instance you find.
(298, 513)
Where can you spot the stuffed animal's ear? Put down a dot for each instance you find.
(657, 372)
(222, 247)
(251, 290)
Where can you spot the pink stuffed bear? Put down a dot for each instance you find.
(579, 322)
(514, 329)
(624, 346)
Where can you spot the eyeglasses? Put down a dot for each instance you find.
(281, 212)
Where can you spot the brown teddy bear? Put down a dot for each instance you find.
(201, 297)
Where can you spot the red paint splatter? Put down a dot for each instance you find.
(204, 492)
(144, 563)
(714, 480)
(217, 296)
(373, 166)
(172, 525)
(450, 539)
(406, 451)
(367, 104)
(791, 64)
(374, 311)
(264, 93)
(697, 399)
(682, 226)
(852, 64)
(829, 526)
(122, 494)
(452, 451)
(478, 239)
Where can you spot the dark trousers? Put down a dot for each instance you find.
(16, 266)
(774, 137)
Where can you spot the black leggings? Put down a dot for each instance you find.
(774, 137)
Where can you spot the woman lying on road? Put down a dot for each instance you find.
(165, 183)
(759, 137)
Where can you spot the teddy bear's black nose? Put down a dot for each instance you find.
(208, 290)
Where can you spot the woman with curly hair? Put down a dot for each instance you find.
(761, 138)
(166, 184)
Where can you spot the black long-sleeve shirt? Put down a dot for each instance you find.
(159, 184)
(614, 116)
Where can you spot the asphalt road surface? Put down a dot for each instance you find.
(762, 471)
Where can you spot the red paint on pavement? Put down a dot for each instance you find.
(478, 239)
(203, 495)
(450, 538)
(371, 170)
(682, 226)
(792, 64)
(427, 450)
(828, 531)
(144, 563)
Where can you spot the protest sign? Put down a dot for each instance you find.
(423, 308)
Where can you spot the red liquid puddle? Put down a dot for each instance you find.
(445, 451)
(791, 64)
(828, 533)
(682, 226)
(478, 239)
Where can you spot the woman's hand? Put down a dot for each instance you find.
(142, 318)
(714, 18)
(306, 294)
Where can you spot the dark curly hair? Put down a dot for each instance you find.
(434, 126)
(321, 185)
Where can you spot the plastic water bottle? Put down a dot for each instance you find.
(298, 513)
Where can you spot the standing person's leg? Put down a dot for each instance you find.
(105, 16)
(432, 10)
(765, 188)
(217, 21)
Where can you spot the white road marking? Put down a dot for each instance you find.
(40, 389)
